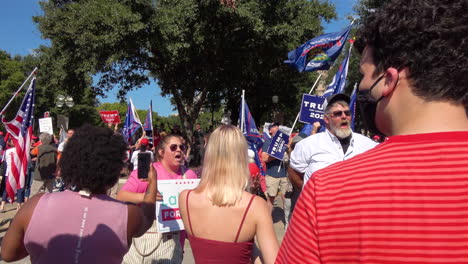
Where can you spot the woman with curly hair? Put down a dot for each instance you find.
(84, 225)
(154, 247)
(220, 216)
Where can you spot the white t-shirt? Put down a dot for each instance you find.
(322, 149)
(61, 146)
(134, 159)
(9, 159)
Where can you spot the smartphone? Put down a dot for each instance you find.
(144, 161)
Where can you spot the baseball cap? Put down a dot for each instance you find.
(273, 124)
(144, 142)
(334, 98)
(298, 137)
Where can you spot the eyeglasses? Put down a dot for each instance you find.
(173, 147)
(340, 113)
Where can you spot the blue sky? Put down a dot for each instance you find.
(19, 35)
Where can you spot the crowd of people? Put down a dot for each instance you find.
(347, 198)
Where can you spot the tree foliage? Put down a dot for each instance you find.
(202, 52)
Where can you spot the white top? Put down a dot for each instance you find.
(322, 149)
(134, 159)
(9, 159)
(61, 146)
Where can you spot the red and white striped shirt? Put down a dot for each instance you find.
(405, 201)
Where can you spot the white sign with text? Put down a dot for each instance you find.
(167, 211)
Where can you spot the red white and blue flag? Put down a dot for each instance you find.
(132, 122)
(20, 130)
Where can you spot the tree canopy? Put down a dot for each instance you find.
(202, 52)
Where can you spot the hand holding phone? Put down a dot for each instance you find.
(144, 163)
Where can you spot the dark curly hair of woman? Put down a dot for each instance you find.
(92, 159)
(430, 37)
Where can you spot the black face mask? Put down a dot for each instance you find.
(369, 107)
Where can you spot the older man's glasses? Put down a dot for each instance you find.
(173, 147)
(340, 113)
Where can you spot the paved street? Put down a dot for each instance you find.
(8, 215)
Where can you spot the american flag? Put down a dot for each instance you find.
(20, 129)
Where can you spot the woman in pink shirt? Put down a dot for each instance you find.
(154, 246)
(84, 225)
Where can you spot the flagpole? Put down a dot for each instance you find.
(243, 111)
(16, 93)
(297, 117)
(152, 127)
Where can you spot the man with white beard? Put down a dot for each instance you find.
(337, 143)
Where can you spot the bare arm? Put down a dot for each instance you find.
(265, 233)
(12, 244)
(141, 218)
(296, 178)
(267, 158)
(131, 197)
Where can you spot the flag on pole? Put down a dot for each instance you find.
(318, 53)
(251, 133)
(132, 122)
(148, 126)
(62, 134)
(338, 83)
(20, 130)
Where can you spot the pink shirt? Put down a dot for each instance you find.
(66, 227)
(135, 185)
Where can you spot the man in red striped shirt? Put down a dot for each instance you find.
(406, 200)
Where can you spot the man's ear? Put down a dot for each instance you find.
(325, 118)
(391, 81)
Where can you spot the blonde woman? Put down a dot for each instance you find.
(220, 216)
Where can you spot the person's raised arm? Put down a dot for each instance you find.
(141, 218)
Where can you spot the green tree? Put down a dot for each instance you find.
(196, 49)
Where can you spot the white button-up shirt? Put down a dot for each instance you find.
(322, 149)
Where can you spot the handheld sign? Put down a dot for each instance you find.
(45, 125)
(311, 109)
(167, 211)
(111, 117)
(278, 145)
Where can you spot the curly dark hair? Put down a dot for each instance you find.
(92, 159)
(430, 37)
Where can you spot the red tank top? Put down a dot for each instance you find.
(213, 251)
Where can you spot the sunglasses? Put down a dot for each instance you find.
(173, 147)
(340, 113)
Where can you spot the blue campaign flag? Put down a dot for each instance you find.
(249, 128)
(251, 133)
(339, 80)
(318, 53)
(311, 109)
(278, 145)
(132, 122)
(307, 129)
(148, 126)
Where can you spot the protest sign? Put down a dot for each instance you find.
(62, 121)
(111, 117)
(45, 125)
(311, 109)
(167, 211)
(278, 145)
